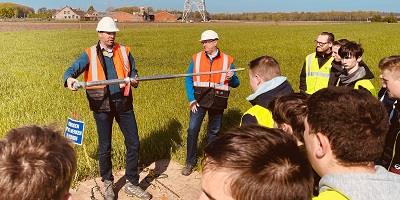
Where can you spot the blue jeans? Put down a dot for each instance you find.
(127, 124)
(196, 119)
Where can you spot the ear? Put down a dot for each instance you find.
(323, 145)
(287, 128)
(67, 196)
(259, 79)
(359, 59)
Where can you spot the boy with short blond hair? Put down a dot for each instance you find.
(267, 83)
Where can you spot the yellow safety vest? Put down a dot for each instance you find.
(330, 195)
(367, 85)
(316, 77)
(263, 116)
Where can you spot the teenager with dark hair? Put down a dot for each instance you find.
(254, 162)
(343, 143)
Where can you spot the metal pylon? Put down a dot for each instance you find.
(187, 8)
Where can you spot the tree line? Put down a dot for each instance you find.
(12, 10)
(304, 16)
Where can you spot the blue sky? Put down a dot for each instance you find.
(226, 6)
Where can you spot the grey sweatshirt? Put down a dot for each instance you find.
(364, 186)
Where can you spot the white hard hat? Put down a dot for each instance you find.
(107, 24)
(209, 35)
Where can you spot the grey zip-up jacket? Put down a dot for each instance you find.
(382, 185)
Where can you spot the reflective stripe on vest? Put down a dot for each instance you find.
(96, 72)
(316, 77)
(263, 116)
(125, 57)
(211, 80)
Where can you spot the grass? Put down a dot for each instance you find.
(33, 62)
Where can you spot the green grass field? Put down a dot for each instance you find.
(33, 62)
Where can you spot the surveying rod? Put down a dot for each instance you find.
(126, 80)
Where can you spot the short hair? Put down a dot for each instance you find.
(264, 163)
(35, 163)
(265, 66)
(353, 120)
(391, 63)
(290, 109)
(331, 37)
(340, 42)
(351, 49)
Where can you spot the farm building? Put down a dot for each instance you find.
(164, 17)
(67, 13)
(125, 17)
(91, 16)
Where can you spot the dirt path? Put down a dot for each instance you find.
(170, 185)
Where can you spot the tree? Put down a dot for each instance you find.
(52, 11)
(376, 18)
(42, 10)
(128, 9)
(391, 18)
(110, 9)
(9, 10)
(90, 9)
(150, 9)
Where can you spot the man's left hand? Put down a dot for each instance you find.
(229, 75)
(134, 82)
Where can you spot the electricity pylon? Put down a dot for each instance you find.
(187, 8)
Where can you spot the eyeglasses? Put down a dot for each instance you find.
(320, 43)
(207, 41)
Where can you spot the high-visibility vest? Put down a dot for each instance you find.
(365, 83)
(202, 64)
(263, 116)
(316, 77)
(96, 72)
(330, 195)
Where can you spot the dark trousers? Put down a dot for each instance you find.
(196, 119)
(127, 124)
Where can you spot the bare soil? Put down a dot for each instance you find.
(162, 179)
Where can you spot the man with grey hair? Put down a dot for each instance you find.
(207, 93)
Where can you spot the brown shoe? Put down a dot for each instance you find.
(187, 170)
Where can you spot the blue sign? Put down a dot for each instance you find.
(74, 131)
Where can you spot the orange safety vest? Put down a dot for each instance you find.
(96, 72)
(202, 64)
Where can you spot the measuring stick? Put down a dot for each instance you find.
(146, 78)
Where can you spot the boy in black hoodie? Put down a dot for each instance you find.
(354, 75)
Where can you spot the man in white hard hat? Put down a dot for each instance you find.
(104, 61)
(207, 93)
